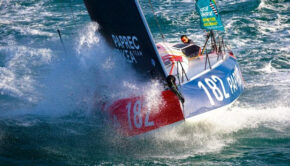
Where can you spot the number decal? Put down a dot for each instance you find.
(215, 90)
(147, 123)
(128, 112)
(216, 78)
(138, 116)
(200, 85)
(212, 84)
(137, 113)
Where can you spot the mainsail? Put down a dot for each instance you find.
(209, 17)
(124, 27)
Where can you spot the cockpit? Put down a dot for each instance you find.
(189, 50)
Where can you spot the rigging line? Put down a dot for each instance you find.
(183, 71)
(156, 20)
(164, 39)
(160, 30)
(224, 45)
(177, 69)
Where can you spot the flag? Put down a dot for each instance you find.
(209, 17)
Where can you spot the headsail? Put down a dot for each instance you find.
(125, 28)
(209, 17)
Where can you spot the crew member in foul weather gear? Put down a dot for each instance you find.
(185, 40)
(191, 50)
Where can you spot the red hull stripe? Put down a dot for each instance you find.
(131, 116)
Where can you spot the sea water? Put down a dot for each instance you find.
(50, 93)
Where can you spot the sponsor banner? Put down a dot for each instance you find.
(217, 88)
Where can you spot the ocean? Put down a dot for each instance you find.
(49, 91)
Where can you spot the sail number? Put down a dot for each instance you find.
(138, 116)
(219, 94)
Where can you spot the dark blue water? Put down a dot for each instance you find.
(48, 114)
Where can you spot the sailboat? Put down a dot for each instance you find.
(197, 79)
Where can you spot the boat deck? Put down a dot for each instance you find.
(198, 66)
(193, 67)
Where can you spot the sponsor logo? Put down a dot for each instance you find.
(129, 46)
(234, 80)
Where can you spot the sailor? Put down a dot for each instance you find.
(191, 50)
(185, 40)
